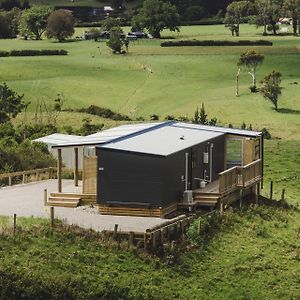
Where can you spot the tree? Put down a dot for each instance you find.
(268, 13)
(109, 23)
(271, 88)
(115, 41)
(60, 25)
(251, 60)
(263, 11)
(117, 4)
(156, 15)
(9, 21)
(236, 14)
(292, 8)
(33, 21)
(10, 103)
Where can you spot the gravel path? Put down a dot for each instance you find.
(27, 200)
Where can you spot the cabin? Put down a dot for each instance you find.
(155, 169)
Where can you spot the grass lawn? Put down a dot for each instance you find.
(255, 255)
(151, 79)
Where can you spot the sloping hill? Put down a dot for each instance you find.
(253, 254)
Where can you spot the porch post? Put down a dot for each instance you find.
(76, 166)
(59, 165)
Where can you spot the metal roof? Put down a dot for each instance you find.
(58, 138)
(226, 130)
(163, 141)
(107, 135)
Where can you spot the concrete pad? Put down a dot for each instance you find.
(27, 200)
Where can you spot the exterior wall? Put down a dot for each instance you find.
(68, 156)
(130, 177)
(176, 168)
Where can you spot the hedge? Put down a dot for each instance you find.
(32, 52)
(215, 43)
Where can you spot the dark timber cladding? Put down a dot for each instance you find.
(149, 169)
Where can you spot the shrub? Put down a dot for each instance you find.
(104, 113)
(32, 53)
(215, 43)
(266, 133)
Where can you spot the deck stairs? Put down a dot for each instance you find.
(205, 199)
(63, 202)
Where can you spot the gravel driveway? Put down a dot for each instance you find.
(27, 200)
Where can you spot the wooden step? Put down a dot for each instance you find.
(86, 199)
(63, 202)
(74, 195)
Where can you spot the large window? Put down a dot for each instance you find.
(234, 153)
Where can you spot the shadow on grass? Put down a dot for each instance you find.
(289, 111)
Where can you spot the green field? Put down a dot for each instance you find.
(254, 255)
(169, 81)
(151, 79)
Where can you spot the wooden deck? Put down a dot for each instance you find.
(231, 186)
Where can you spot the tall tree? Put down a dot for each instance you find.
(10, 103)
(251, 60)
(268, 14)
(292, 8)
(156, 15)
(33, 21)
(263, 11)
(271, 88)
(9, 21)
(236, 14)
(60, 25)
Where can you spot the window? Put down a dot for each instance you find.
(234, 152)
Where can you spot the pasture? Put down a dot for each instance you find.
(167, 81)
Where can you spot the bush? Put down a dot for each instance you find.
(266, 134)
(104, 113)
(32, 53)
(215, 43)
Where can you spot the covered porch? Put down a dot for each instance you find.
(83, 191)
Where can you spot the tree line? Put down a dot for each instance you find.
(265, 13)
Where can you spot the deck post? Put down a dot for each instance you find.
(59, 169)
(241, 198)
(76, 166)
(271, 190)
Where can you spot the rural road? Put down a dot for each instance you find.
(26, 200)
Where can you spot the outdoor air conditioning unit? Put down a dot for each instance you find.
(188, 196)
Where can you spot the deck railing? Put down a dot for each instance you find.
(237, 177)
(228, 180)
(27, 176)
(250, 173)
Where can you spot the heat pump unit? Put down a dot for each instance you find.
(188, 196)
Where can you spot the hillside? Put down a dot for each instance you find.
(254, 255)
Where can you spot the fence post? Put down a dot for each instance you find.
(15, 223)
(45, 197)
(131, 239)
(23, 177)
(271, 190)
(9, 180)
(52, 216)
(145, 242)
(115, 232)
(282, 194)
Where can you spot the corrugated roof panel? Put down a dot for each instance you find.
(163, 141)
(219, 129)
(57, 138)
(108, 135)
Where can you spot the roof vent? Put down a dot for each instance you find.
(182, 137)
